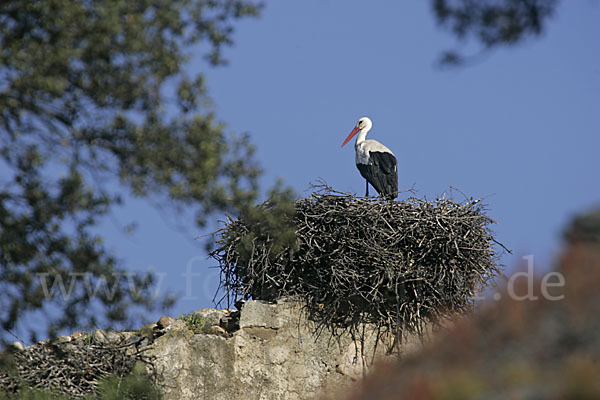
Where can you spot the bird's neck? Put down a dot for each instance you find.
(361, 136)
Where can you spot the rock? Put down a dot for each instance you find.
(134, 339)
(101, 336)
(217, 330)
(115, 337)
(165, 322)
(266, 315)
(60, 340)
(18, 346)
(148, 331)
(62, 344)
(128, 334)
(353, 363)
(261, 332)
(273, 355)
(212, 316)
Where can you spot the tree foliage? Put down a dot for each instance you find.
(492, 23)
(89, 92)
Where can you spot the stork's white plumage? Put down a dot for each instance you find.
(376, 163)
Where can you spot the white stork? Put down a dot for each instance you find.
(376, 163)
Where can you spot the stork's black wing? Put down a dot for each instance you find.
(381, 173)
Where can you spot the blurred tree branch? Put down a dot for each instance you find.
(493, 23)
(84, 101)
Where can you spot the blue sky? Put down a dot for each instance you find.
(519, 128)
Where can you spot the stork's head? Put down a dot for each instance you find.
(363, 124)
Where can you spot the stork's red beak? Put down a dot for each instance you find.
(351, 135)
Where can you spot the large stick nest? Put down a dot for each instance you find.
(396, 264)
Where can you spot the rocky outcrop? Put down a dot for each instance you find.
(266, 352)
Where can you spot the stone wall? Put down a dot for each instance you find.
(266, 352)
